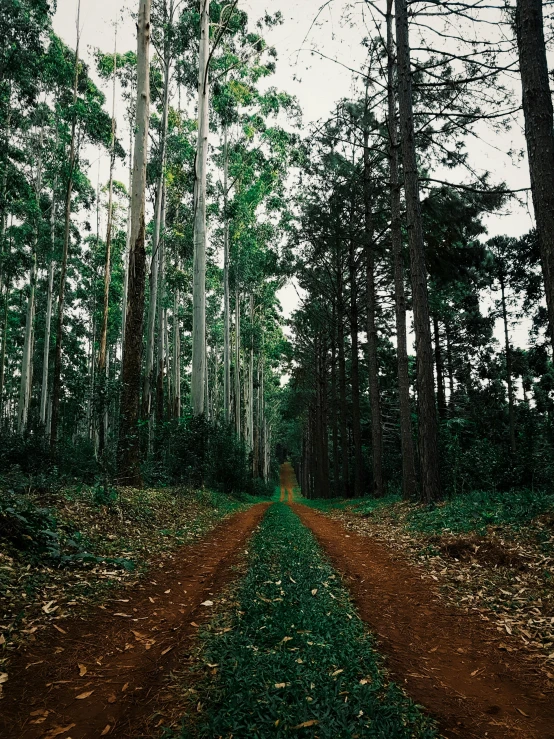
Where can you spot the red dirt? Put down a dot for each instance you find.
(288, 482)
(448, 661)
(127, 657)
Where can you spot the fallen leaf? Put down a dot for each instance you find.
(215, 664)
(192, 623)
(106, 730)
(336, 672)
(290, 578)
(123, 615)
(305, 724)
(167, 591)
(168, 649)
(59, 628)
(112, 698)
(2, 639)
(124, 688)
(82, 670)
(522, 712)
(314, 591)
(3, 677)
(280, 685)
(57, 730)
(365, 681)
(207, 603)
(32, 664)
(47, 607)
(82, 696)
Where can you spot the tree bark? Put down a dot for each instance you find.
(509, 373)
(539, 134)
(409, 480)
(372, 342)
(355, 371)
(427, 412)
(129, 444)
(200, 235)
(25, 380)
(439, 366)
(226, 306)
(237, 365)
(57, 378)
(342, 390)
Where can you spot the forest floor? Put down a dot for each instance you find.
(283, 621)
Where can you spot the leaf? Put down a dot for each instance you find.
(207, 603)
(123, 615)
(82, 696)
(112, 698)
(59, 628)
(305, 724)
(2, 639)
(82, 670)
(192, 623)
(124, 688)
(47, 607)
(336, 672)
(314, 591)
(168, 649)
(57, 730)
(3, 677)
(522, 712)
(280, 685)
(106, 730)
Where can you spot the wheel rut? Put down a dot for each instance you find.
(104, 674)
(448, 661)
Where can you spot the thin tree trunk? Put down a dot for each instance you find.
(57, 378)
(162, 339)
(539, 133)
(237, 364)
(409, 480)
(200, 235)
(107, 278)
(509, 372)
(427, 412)
(334, 405)
(127, 244)
(25, 380)
(129, 444)
(157, 259)
(342, 392)
(441, 396)
(355, 372)
(49, 301)
(226, 306)
(176, 356)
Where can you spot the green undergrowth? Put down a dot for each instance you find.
(471, 512)
(73, 546)
(292, 656)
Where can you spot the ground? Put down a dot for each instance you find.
(281, 620)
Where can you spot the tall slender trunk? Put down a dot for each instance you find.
(409, 480)
(439, 367)
(539, 133)
(107, 277)
(57, 378)
(509, 371)
(355, 371)
(4, 342)
(334, 406)
(162, 342)
(427, 412)
(25, 380)
(342, 390)
(127, 244)
(226, 306)
(237, 364)
(49, 302)
(157, 257)
(200, 235)
(176, 355)
(372, 342)
(450, 368)
(250, 407)
(129, 444)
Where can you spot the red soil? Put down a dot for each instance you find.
(128, 648)
(450, 662)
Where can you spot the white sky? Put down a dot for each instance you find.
(318, 84)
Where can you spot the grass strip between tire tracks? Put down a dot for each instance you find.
(292, 656)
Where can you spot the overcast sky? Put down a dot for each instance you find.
(318, 83)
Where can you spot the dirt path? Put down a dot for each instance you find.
(449, 662)
(124, 652)
(288, 482)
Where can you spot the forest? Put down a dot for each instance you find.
(276, 387)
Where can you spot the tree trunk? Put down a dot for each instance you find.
(129, 446)
(176, 355)
(107, 278)
(226, 306)
(509, 373)
(409, 480)
(157, 259)
(427, 412)
(539, 133)
(162, 319)
(57, 378)
(335, 408)
(441, 396)
(25, 380)
(3, 352)
(354, 371)
(372, 343)
(342, 392)
(200, 234)
(127, 245)
(48, 316)
(237, 364)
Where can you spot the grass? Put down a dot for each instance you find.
(292, 656)
(476, 511)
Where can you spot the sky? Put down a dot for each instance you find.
(317, 82)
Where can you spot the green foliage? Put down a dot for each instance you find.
(294, 647)
(477, 510)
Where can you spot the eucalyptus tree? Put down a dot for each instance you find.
(129, 443)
